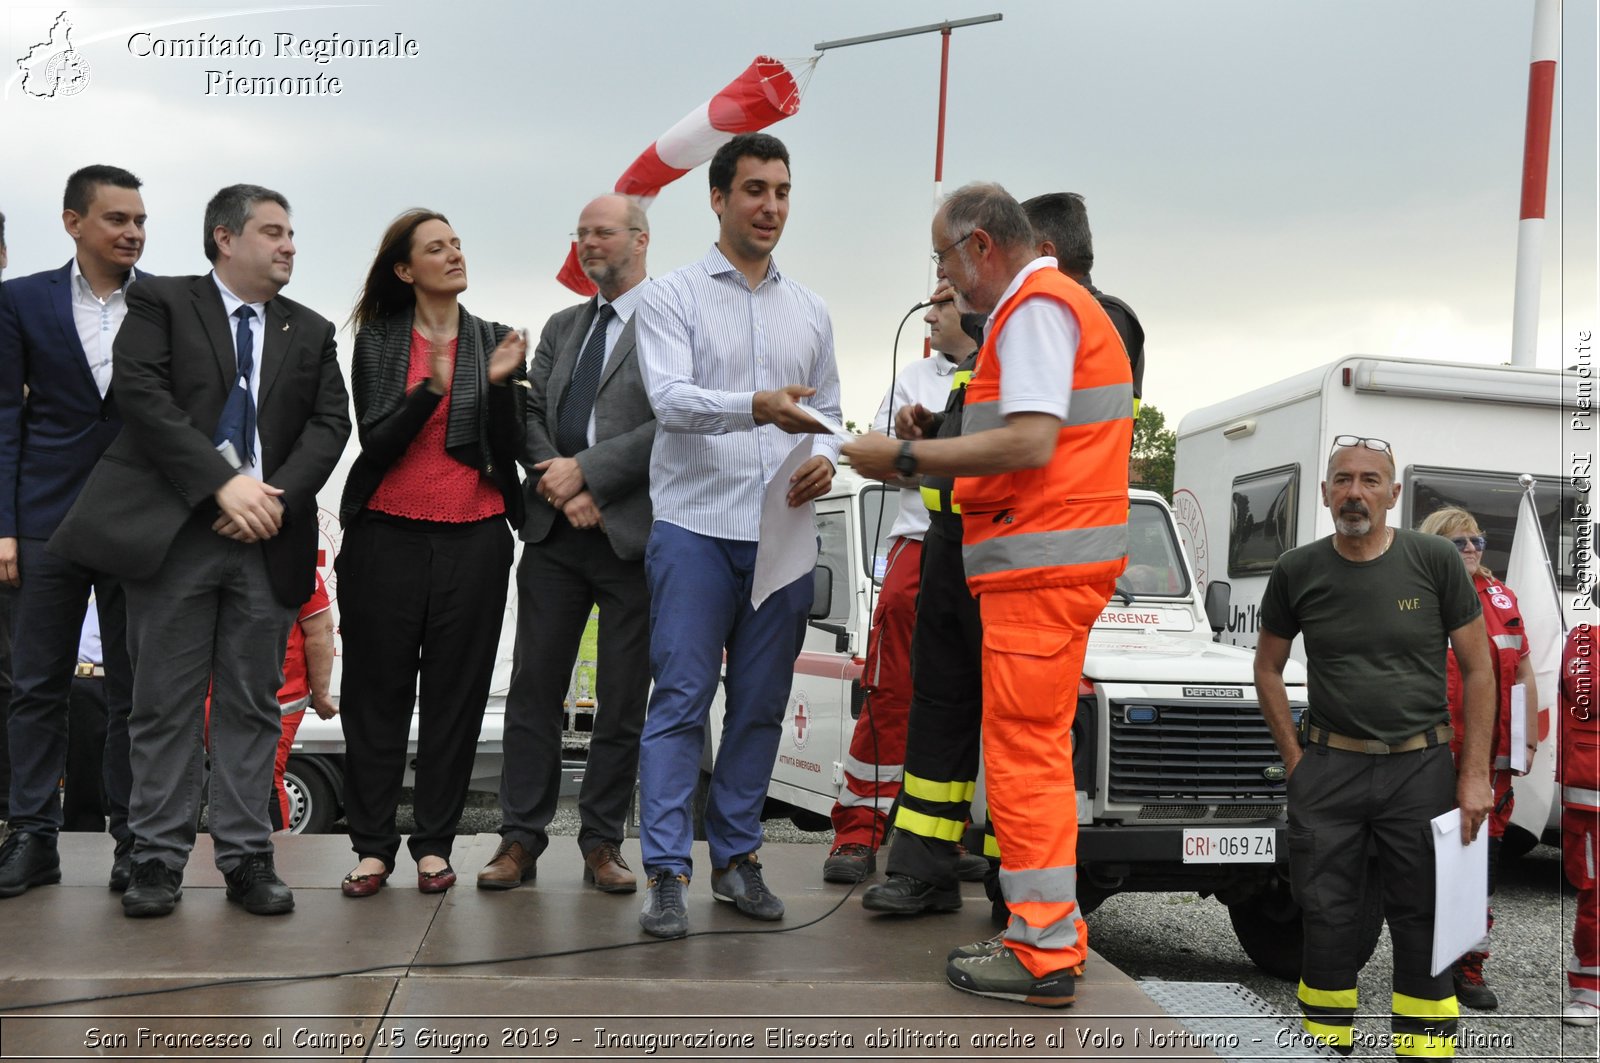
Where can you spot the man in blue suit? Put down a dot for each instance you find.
(57, 415)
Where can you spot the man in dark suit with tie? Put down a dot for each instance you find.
(234, 413)
(590, 429)
(58, 414)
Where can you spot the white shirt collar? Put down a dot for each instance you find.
(1042, 262)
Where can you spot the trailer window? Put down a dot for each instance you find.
(1262, 524)
(1492, 498)
(880, 506)
(833, 529)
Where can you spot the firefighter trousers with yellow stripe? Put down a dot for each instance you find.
(945, 719)
(1341, 804)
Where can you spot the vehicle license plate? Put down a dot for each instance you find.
(1222, 845)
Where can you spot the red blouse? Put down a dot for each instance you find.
(425, 483)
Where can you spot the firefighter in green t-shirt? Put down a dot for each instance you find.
(1377, 607)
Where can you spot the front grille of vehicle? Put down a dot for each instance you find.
(1185, 753)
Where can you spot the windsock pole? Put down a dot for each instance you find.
(1535, 180)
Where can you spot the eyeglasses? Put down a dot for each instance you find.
(1380, 445)
(938, 256)
(1477, 542)
(605, 234)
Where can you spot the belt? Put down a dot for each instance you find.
(86, 670)
(1434, 736)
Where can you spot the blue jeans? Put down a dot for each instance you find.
(699, 607)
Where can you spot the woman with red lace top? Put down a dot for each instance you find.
(427, 551)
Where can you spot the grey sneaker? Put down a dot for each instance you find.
(978, 948)
(741, 883)
(1001, 975)
(664, 914)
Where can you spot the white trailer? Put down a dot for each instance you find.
(1249, 469)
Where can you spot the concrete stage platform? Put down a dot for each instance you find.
(553, 970)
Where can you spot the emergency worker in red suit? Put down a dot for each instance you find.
(1508, 651)
(1578, 772)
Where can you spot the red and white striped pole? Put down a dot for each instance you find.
(1535, 180)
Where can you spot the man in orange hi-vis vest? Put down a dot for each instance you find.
(1042, 482)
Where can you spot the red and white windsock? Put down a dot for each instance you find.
(765, 93)
(1535, 180)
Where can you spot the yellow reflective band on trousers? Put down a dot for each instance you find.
(991, 846)
(1425, 1028)
(929, 790)
(912, 822)
(1328, 1014)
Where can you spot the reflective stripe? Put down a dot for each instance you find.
(1073, 546)
(1507, 642)
(1574, 967)
(925, 826)
(848, 798)
(1109, 402)
(981, 417)
(1329, 998)
(939, 792)
(1333, 1035)
(1427, 1045)
(865, 772)
(1578, 795)
(1434, 1010)
(1061, 934)
(991, 846)
(933, 498)
(1050, 885)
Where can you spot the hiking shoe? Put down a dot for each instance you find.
(1579, 1013)
(970, 866)
(664, 914)
(1001, 975)
(741, 883)
(28, 860)
(850, 862)
(255, 884)
(904, 895)
(1471, 990)
(978, 948)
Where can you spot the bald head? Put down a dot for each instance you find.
(613, 235)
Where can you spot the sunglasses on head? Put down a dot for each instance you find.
(1371, 443)
(1477, 542)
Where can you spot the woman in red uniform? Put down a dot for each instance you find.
(1579, 775)
(1508, 648)
(426, 558)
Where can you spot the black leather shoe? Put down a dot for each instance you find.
(256, 885)
(122, 864)
(153, 889)
(28, 860)
(904, 895)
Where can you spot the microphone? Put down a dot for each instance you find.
(920, 306)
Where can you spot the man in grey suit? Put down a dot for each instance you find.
(234, 413)
(590, 429)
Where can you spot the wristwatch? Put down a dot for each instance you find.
(905, 463)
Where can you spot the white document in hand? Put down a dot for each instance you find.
(1519, 727)
(1461, 889)
(788, 546)
(827, 422)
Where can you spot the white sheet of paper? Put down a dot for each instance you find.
(825, 421)
(1461, 890)
(788, 546)
(1519, 727)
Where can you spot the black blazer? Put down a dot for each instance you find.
(173, 368)
(485, 421)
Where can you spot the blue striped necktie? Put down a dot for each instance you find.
(572, 417)
(238, 422)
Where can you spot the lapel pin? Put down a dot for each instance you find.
(286, 326)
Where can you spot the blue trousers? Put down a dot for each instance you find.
(699, 607)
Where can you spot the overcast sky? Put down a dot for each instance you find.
(1272, 184)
